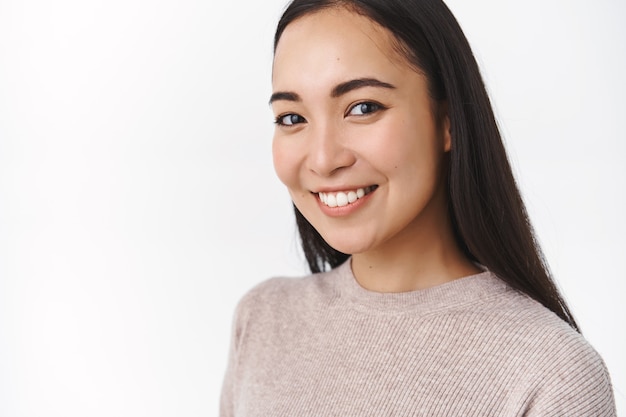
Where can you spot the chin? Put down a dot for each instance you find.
(350, 245)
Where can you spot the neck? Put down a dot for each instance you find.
(413, 261)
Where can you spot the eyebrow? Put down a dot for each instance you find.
(337, 91)
(351, 85)
(284, 95)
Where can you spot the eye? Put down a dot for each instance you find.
(290, 119)
(364, 108)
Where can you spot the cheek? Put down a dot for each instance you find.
(388, 145)
(405, 150)
(285, 163)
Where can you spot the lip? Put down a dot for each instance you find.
(341, 188)
(347, 209)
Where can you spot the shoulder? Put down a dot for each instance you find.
(563, 373)
(571, 377)
(280, 291)
(279, 298)
(519, 323)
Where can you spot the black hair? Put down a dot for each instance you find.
(488, 216)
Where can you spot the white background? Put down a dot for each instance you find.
(138, 201)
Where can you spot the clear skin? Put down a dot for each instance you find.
(379, 132)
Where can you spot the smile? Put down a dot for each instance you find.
(344, 198)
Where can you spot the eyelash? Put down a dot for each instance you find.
(372, 104)
(374, 108)
(279, 119)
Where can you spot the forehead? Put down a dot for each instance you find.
(335, 44)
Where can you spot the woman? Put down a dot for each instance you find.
(430, 296)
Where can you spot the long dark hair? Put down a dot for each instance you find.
(488, 216)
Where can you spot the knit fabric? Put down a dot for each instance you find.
(324, 346)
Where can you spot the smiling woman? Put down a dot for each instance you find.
(430, 295)
(359, 118)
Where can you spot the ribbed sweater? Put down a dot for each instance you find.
(324, 346)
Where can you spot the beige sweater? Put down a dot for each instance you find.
(324, 346)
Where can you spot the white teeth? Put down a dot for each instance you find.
(343, 198)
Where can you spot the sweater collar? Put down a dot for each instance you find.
(460, 292)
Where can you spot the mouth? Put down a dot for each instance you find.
(344, 198)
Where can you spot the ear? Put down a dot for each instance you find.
(444, 125)
(447, 136)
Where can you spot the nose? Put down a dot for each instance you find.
(328, 152)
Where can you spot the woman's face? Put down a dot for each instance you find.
(356, 142)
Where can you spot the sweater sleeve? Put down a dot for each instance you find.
(227, 399)
(577, 385)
